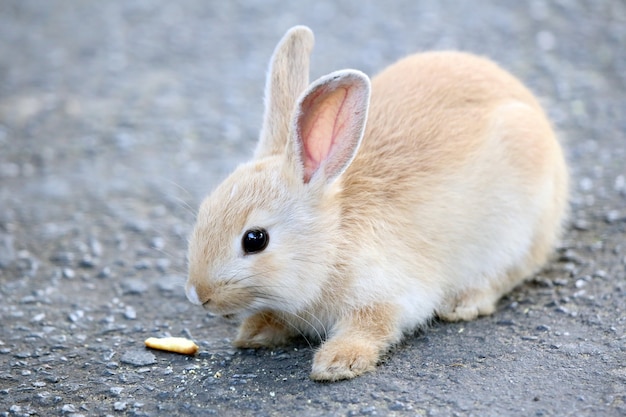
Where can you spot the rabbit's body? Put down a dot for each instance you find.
(456, 194)
(469, 180)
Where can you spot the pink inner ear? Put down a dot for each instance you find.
(325, 120)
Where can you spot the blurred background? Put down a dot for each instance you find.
(141, 91)
(117, 117)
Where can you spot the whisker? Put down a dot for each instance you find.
(321, 323)
(235, 279)
(175, 184)
(299, 317)
(193, 212)
(260, 292)
(166, 252)
(181, 202)
(300, 332)
(265, 296)
(303, 260)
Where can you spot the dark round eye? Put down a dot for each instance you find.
(254, 240)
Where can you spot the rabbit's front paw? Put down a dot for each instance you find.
(261, 330)
(344, 359)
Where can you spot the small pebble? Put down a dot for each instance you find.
(104, 273)
(96, 247)
(130, 313)
(157, 243)
(546, 40)
(69, 273)
(37, 318)
(138, 358)
(134, 287)
(28, 299)
(368, 411)
(53, 379)
(76, 315)
(613, 216)
(505, 323)
(571, 268)
(142, 264)
(24, 354)
(581, 224)
(119, 406)
(87, 262)
(586, 184)
(7, 250)
(138, 226)
(570, 256)
(400, 406)
(170, 283)
(62, 258)
(163, 264)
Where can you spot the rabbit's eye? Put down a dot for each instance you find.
(254, 240)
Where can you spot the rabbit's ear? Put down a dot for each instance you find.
(287, 78)
(328, 124)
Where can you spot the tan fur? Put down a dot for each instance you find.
(260, 330)
(452, 194)
(288, 76)
(357, 343)
(457, 103)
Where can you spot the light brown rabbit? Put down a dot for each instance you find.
(358, 220)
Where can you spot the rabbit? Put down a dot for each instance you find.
(370, 208)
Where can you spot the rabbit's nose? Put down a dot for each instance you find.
(192, 294)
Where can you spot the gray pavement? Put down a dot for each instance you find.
(117, 117)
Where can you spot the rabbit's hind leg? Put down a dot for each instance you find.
(469, 304)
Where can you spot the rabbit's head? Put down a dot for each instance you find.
(264, 238)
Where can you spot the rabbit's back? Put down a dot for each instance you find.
(460, 165)
(429, 112)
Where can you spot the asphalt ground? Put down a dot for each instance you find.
(117, 117)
